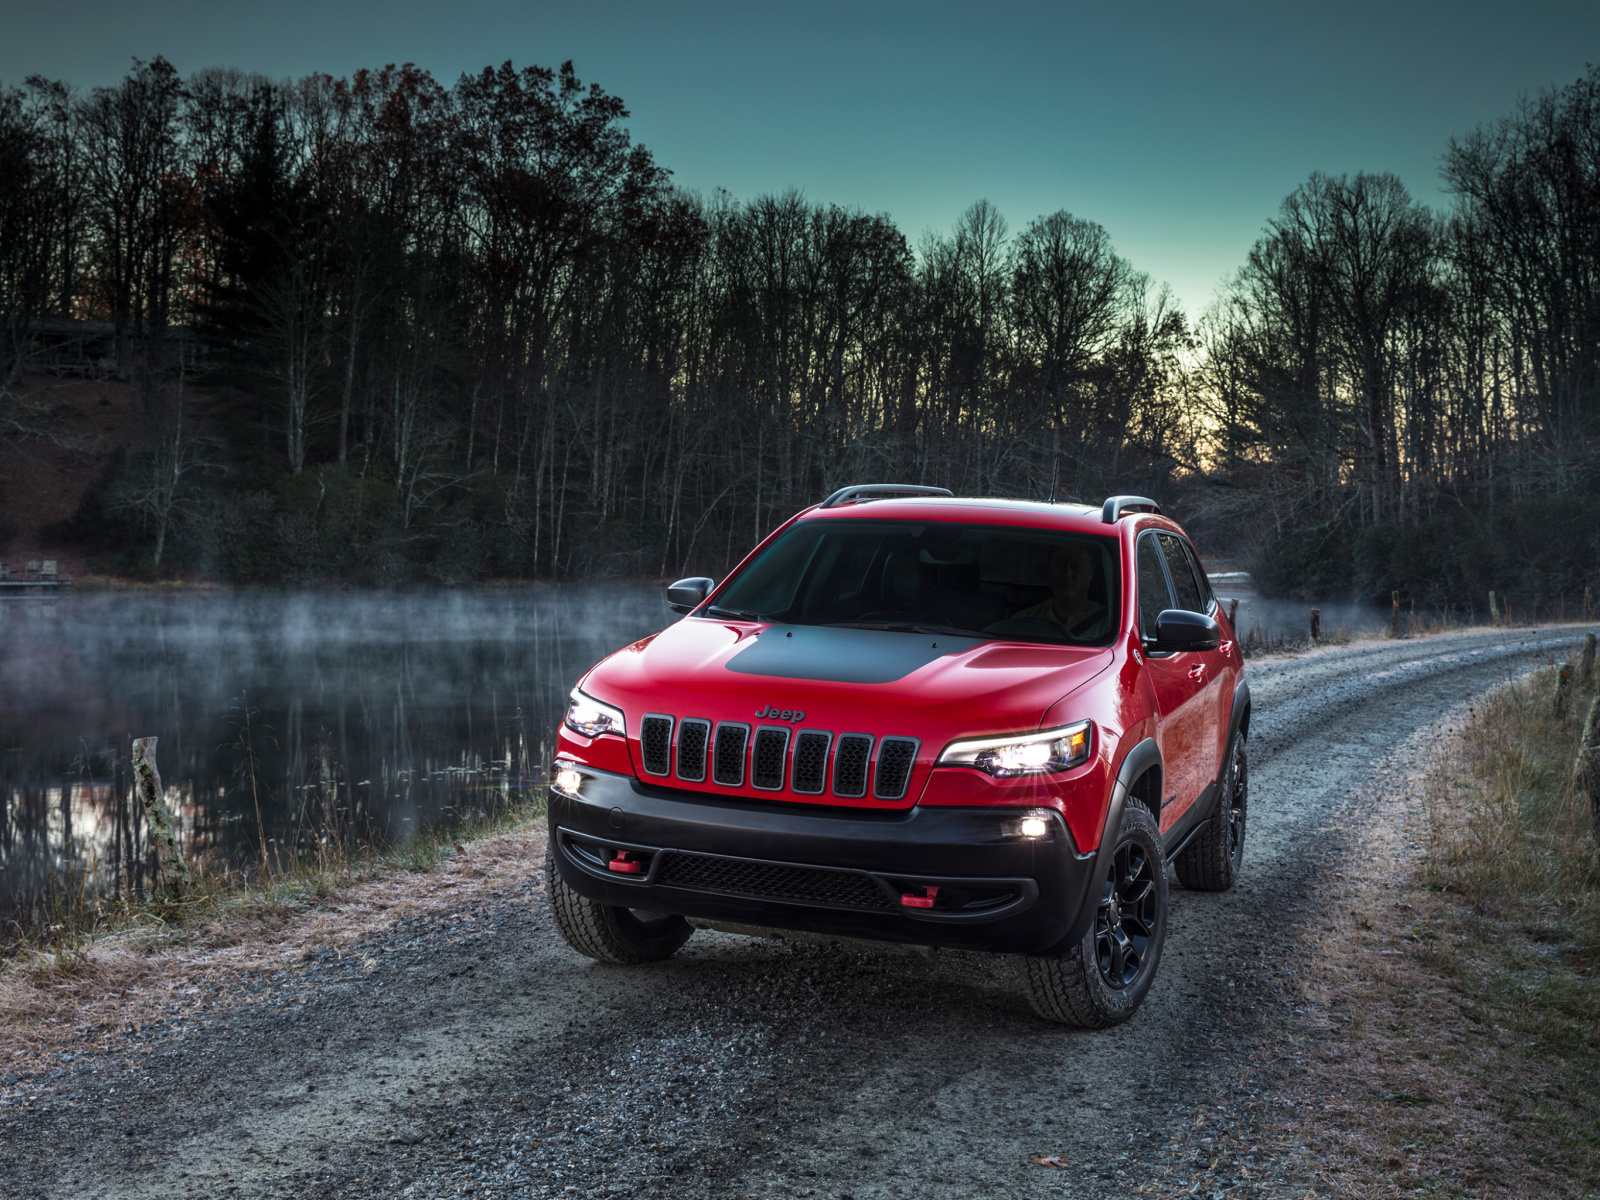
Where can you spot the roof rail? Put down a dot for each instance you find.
(876, 491)
(1115, 506)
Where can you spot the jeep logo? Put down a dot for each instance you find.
(769, 713)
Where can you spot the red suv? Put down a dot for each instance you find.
(917, 718)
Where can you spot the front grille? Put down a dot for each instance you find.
(728, 755)
(850, 765)
(655, 743)
(810, 761)
(722, 752)
(895, 756)
(773, 881)
(766, 759)
(692, 737)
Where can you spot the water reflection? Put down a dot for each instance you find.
(334, 714)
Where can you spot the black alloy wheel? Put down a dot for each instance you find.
(1103, 977)
(1128, 916)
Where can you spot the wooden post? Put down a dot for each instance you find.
(1563, 689)
(1586, 660)
(1233, 614)
(1394, 615)
(1586, 771)
(1316, 625)
(147, 783)
(1494, 610)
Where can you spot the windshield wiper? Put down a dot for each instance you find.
(737, 614)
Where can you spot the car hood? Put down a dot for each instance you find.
(931, 687)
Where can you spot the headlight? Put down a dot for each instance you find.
(1039, 753)
(588, 716)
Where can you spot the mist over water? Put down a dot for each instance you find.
(376, 713)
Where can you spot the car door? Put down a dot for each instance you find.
(1209, 667)
(1222, 668)
(1177, 681)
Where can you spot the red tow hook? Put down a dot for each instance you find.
(624, 864)
(911, 901)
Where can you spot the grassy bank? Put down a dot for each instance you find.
(59, 935)
(1444, 1039)
(1513, 856)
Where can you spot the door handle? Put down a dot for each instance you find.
(1197, 672)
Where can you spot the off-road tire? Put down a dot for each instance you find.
(1211, 863)
(607, 933)
(1071, 988)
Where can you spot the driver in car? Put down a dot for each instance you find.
(1069, 606)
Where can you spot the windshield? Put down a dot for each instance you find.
(999, 581)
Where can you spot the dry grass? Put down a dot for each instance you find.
(159, 963)
(1451, 1037)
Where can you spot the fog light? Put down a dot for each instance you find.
(567, 780)
(1034, 827)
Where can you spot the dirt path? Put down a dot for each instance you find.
(477, 1055)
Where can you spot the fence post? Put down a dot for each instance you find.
(1586, 660)
(1586, 771)
(1316, 625)
(147, 783)
(1394, 615)
(1233, 615)
(1563, 689)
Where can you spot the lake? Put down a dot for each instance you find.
(353, 715)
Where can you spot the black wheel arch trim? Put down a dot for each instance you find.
(1241, 708)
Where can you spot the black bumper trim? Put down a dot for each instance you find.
(879, 892)
(810, 868)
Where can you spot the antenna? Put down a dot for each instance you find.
(1055, 476)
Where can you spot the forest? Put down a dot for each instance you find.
(380, 330)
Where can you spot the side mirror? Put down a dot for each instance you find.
(688, 594)
(1179, 629)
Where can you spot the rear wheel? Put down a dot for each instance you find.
(1103, 979)
(610, 934)
(1211, 863)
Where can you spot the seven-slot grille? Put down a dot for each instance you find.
(693, 734)
(726, 753)
(727, 757)
(655, 743)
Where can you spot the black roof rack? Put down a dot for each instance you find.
(1115, 506)
(881, 491)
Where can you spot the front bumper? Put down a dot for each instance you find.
(845, 872)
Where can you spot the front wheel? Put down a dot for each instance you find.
(1103, 979)
(606, 932)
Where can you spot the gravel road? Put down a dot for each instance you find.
(479, 1056)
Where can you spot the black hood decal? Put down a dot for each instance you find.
(844, 655)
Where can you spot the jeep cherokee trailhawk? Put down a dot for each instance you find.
(917, 718)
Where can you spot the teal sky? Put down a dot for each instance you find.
(1179, 127)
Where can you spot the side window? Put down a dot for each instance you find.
(1153, 592)
(1200, 576)
(1182, 577)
